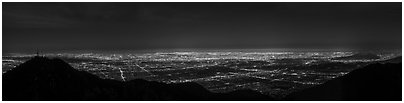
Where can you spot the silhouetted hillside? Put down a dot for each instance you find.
(394, 60)
(373, 82)
(52, 79)
(359, 56)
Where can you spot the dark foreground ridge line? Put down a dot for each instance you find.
(42, 78)
(376, 82)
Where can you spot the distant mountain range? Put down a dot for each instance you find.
(359, 56)
(42, 78)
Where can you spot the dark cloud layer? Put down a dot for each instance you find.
(136, 26)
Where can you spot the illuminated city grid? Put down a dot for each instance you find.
(272, 73)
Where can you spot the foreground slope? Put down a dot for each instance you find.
(52, 79)
(380, 81)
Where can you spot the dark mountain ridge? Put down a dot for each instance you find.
(372, 82)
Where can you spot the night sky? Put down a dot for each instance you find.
(28, 27)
